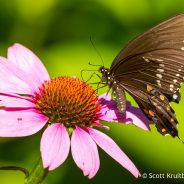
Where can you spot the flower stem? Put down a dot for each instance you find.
(37, 175)
(15, 168)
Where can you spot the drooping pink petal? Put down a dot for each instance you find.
(14, 101)
(28, 62)
(138, 119)
(85, 152)
(109, 111)
(55, 146)
(21, 123)
(112, 115)
(12, 80)
(111, 148)
(133, 114)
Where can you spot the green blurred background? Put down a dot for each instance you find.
(59, 33)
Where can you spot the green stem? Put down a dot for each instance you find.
(15, 168)
(37, 175)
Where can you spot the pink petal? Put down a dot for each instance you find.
(109, 110)
(3, 59)
(55, 146)
(111, 148)
(12, 80)
(113, 116)
(138, 117)
(139, 120)
(14, 101)
(28, 62)
(133, 115)
(85, 152)
(21, 123)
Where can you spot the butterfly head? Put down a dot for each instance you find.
(105, 74)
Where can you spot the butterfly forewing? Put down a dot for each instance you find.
(166, 35)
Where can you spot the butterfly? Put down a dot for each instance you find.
(151, 69)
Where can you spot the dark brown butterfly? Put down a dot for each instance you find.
(151, 69)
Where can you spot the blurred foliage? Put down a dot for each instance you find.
(59, 33)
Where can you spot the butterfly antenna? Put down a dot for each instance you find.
(92, 42)
(93, 65)
(180, 139)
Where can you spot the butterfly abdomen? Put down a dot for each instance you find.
(120, 98)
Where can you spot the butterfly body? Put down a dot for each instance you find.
(151, 69)
(118, 91)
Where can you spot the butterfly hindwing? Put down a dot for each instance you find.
(159, 111)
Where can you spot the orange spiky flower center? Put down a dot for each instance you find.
(68, 100)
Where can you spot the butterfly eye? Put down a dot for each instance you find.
(101, 69)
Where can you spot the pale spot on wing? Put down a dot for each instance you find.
(160, 70)
(162, 65)
(158, 82)
(146, 59)
(159, 76)
(174, 80)
(177, 75)
(178, 89)
(182, 48)
(160, 60)
(175, 96)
